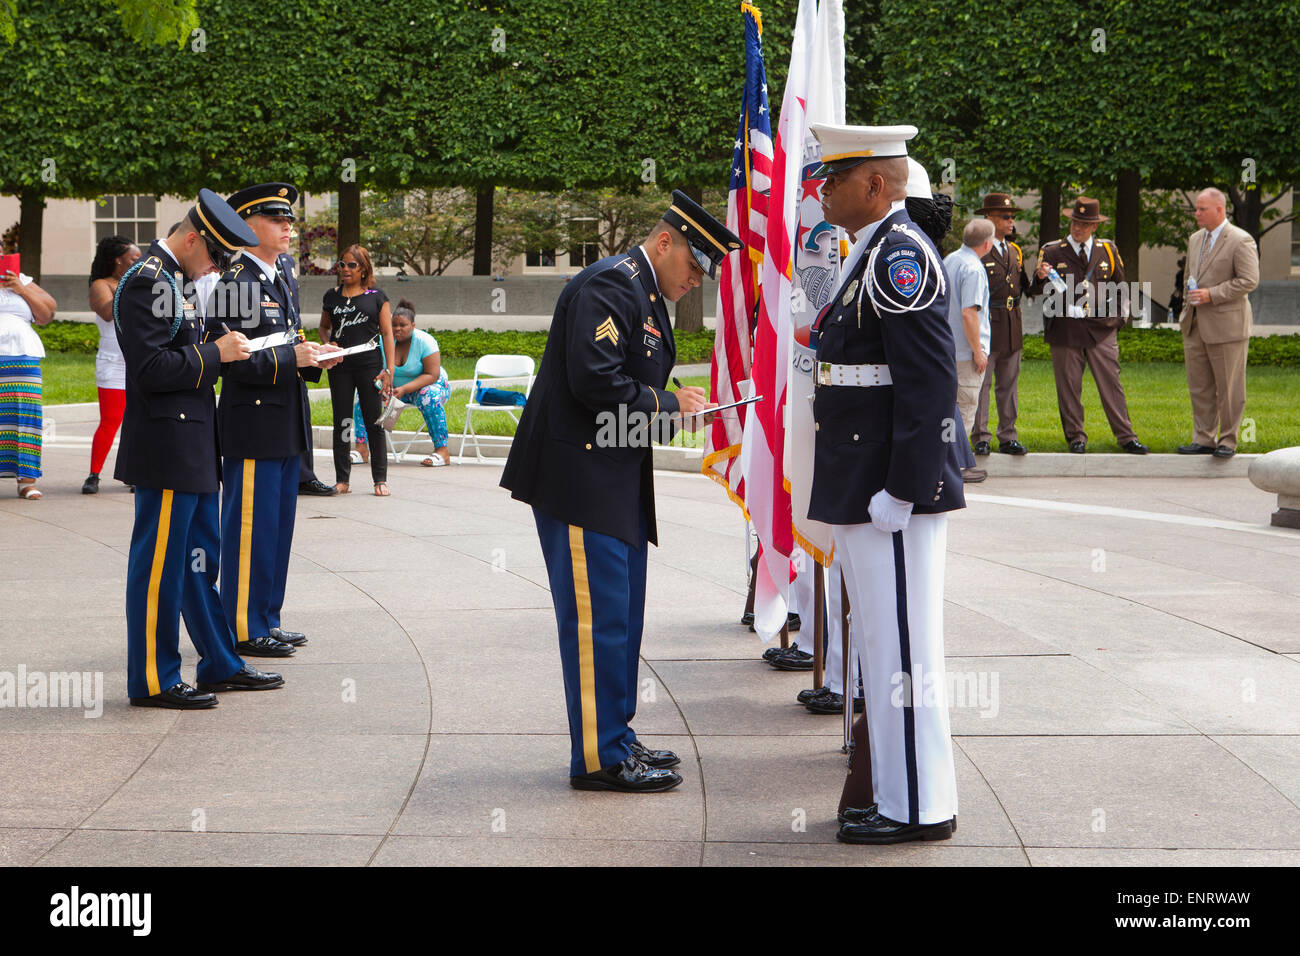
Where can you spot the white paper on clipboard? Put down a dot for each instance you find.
(367, 347)
(723, 408)
(272, 340)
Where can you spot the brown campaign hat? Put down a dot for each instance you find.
(997, 202)
(1087, 210)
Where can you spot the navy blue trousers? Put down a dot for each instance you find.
(598, 588)
(259, 499)
(172, 573)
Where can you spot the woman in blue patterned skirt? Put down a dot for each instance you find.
(22, 302)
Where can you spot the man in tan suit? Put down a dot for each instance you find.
(1222, 267)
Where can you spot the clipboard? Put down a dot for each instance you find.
(367, 347)
(723, 408)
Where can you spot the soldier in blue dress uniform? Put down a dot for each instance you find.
(581, 458)
(169, 453)
(265, 422)
(886, 474)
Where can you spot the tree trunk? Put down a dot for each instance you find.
(31, 216)
(1247, 209)
(349, 216)
(1128, 211)
(1049, 217)
(690, 307)
(483, 200)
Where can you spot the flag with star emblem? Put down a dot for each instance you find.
(791, 287)
(738, 276)
(813, 265)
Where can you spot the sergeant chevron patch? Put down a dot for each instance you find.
(607, 330)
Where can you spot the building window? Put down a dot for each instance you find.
(540, 257)
(583, 248)
(134, 217)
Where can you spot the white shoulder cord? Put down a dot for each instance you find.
(931, 264)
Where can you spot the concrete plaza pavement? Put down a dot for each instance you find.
(1127, 650)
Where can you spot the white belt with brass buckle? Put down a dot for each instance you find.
(864, 376)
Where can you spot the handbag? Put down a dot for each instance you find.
(392, 411)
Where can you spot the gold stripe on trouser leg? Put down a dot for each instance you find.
(586, 655)
(151, 602)
(245, 547)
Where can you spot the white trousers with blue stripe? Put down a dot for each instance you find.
(895, 584)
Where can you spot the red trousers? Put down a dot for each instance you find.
(112, 403)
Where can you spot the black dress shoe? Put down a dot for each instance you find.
(792, 659)
(296, 638)
(1223, 451)
(317, 487)
(748, 619)
(874, 830)
(1135, 447)
(91, 485)
(808, 693)
(833, 703)
(1195, 449)
(773, 652)
(630, 776)
(1078, 447)
(177, 697)
(246, 678)
(1012, 447)
(263, 647)
(663, 759)
(855, 814)
(981, 448)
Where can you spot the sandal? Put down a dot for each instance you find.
(434, 461)
(342, 489)
(29, 491)
(382, 494)
(356, 458)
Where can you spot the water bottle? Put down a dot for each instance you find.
(1055, 279)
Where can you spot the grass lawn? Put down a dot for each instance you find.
(1157, 398)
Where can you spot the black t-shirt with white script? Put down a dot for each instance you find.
(354, 320)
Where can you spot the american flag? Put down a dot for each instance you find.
(739, 276)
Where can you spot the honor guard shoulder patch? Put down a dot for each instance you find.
(905, 277)
(608, 330)
(628, 265)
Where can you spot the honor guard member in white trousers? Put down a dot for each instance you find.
(169, 453)
(885, 473)
(608, 357)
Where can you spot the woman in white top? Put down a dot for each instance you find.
(22, 302)
(113, 257)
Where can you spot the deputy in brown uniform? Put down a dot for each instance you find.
(1081, 321)
(1007, 282)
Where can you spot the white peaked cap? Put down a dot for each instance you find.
(918, 180)
(846, 146)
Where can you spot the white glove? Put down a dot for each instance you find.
(888, 514)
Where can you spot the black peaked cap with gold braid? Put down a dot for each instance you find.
(218, 223)
(266, 199)
(710, 240)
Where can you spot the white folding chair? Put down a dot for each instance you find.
(495, 370)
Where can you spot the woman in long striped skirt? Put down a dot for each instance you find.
(22, 302)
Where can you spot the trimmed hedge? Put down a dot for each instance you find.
(1135, 345)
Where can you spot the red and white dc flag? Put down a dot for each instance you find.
(763, 447)
(738, 277)
(816, 258)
